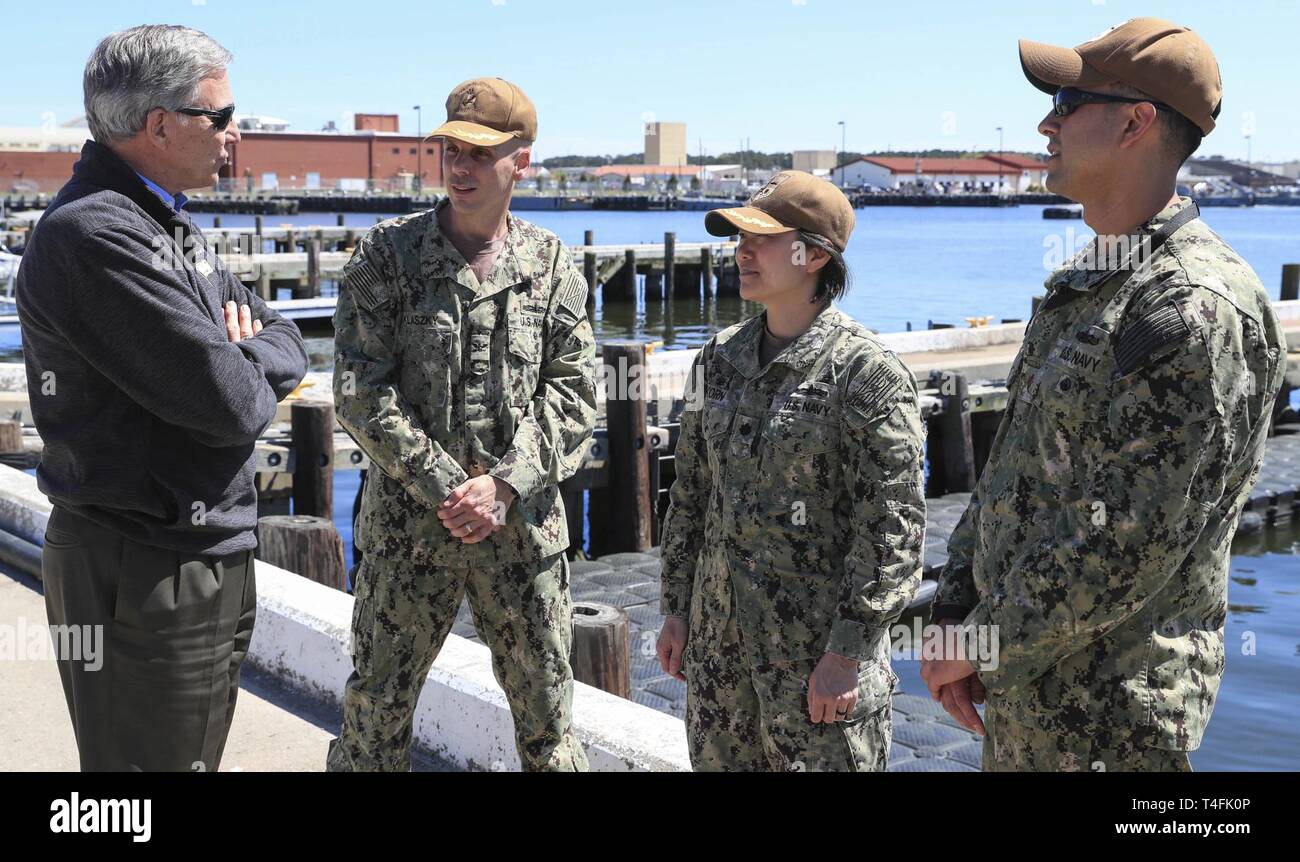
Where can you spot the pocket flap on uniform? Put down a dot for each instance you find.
(524, 330)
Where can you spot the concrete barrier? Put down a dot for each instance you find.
(302, 636)
(24, 510)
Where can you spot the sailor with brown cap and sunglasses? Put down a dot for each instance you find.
(793, 539)
(1097, 539)
(465, 369)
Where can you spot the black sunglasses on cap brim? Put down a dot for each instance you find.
(1066, 99)
(220, 119)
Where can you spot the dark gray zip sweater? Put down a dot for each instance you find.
(147, 412)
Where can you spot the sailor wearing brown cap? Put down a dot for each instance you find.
(465, 369)
(794, 534)
(1096, 543)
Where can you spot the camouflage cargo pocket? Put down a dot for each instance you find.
(868, 729)
(361, 637)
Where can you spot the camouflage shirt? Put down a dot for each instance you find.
(439, 378)
(1098, 536)
(798, 493)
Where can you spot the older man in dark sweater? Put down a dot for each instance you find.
(152, 371)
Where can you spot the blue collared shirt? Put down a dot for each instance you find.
(176, 202)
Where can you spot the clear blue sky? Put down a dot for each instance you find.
(903, 75)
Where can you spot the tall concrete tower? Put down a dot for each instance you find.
(665, 143)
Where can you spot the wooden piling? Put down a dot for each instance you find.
(949, 443)
(601, 654)
(216, 221)
(706, 271)
(311, 288)
(629, 276)
(1290, 281)
(312, 432)
(670, 256)
(338, 219)
(307, 546)
(590, 268)
(629, 470)
(11, 437)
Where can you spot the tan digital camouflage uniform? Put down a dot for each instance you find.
(438, 377)
(1098, 536)
(795, 529)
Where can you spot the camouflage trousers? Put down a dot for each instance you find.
(754, 718)
(1010, 746)
(401, 616)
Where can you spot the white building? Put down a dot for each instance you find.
(43, 139)
(1287, 169)
(933, 175)
(814, 161)
(263, 123)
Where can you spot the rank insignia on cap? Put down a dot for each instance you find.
(767, 189)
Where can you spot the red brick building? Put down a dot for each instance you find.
(32, 172)
(377, 160)
(386, 161)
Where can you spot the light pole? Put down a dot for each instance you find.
(1250, 171)
(999, 160)
(841, 154)
(419, 150)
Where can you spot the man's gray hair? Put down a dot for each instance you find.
(131, 72)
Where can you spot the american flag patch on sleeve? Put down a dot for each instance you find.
(364, 281)
(868, 395)
(572, 295)
(1149, 335)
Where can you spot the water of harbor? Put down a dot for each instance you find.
(908, 264)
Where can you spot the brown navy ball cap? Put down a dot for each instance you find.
(791, 200)
(488, 111)
(1168, 62)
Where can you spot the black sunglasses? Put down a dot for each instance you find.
(220, 119)
(1066, 99)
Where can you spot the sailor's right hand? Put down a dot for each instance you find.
(671, 646)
